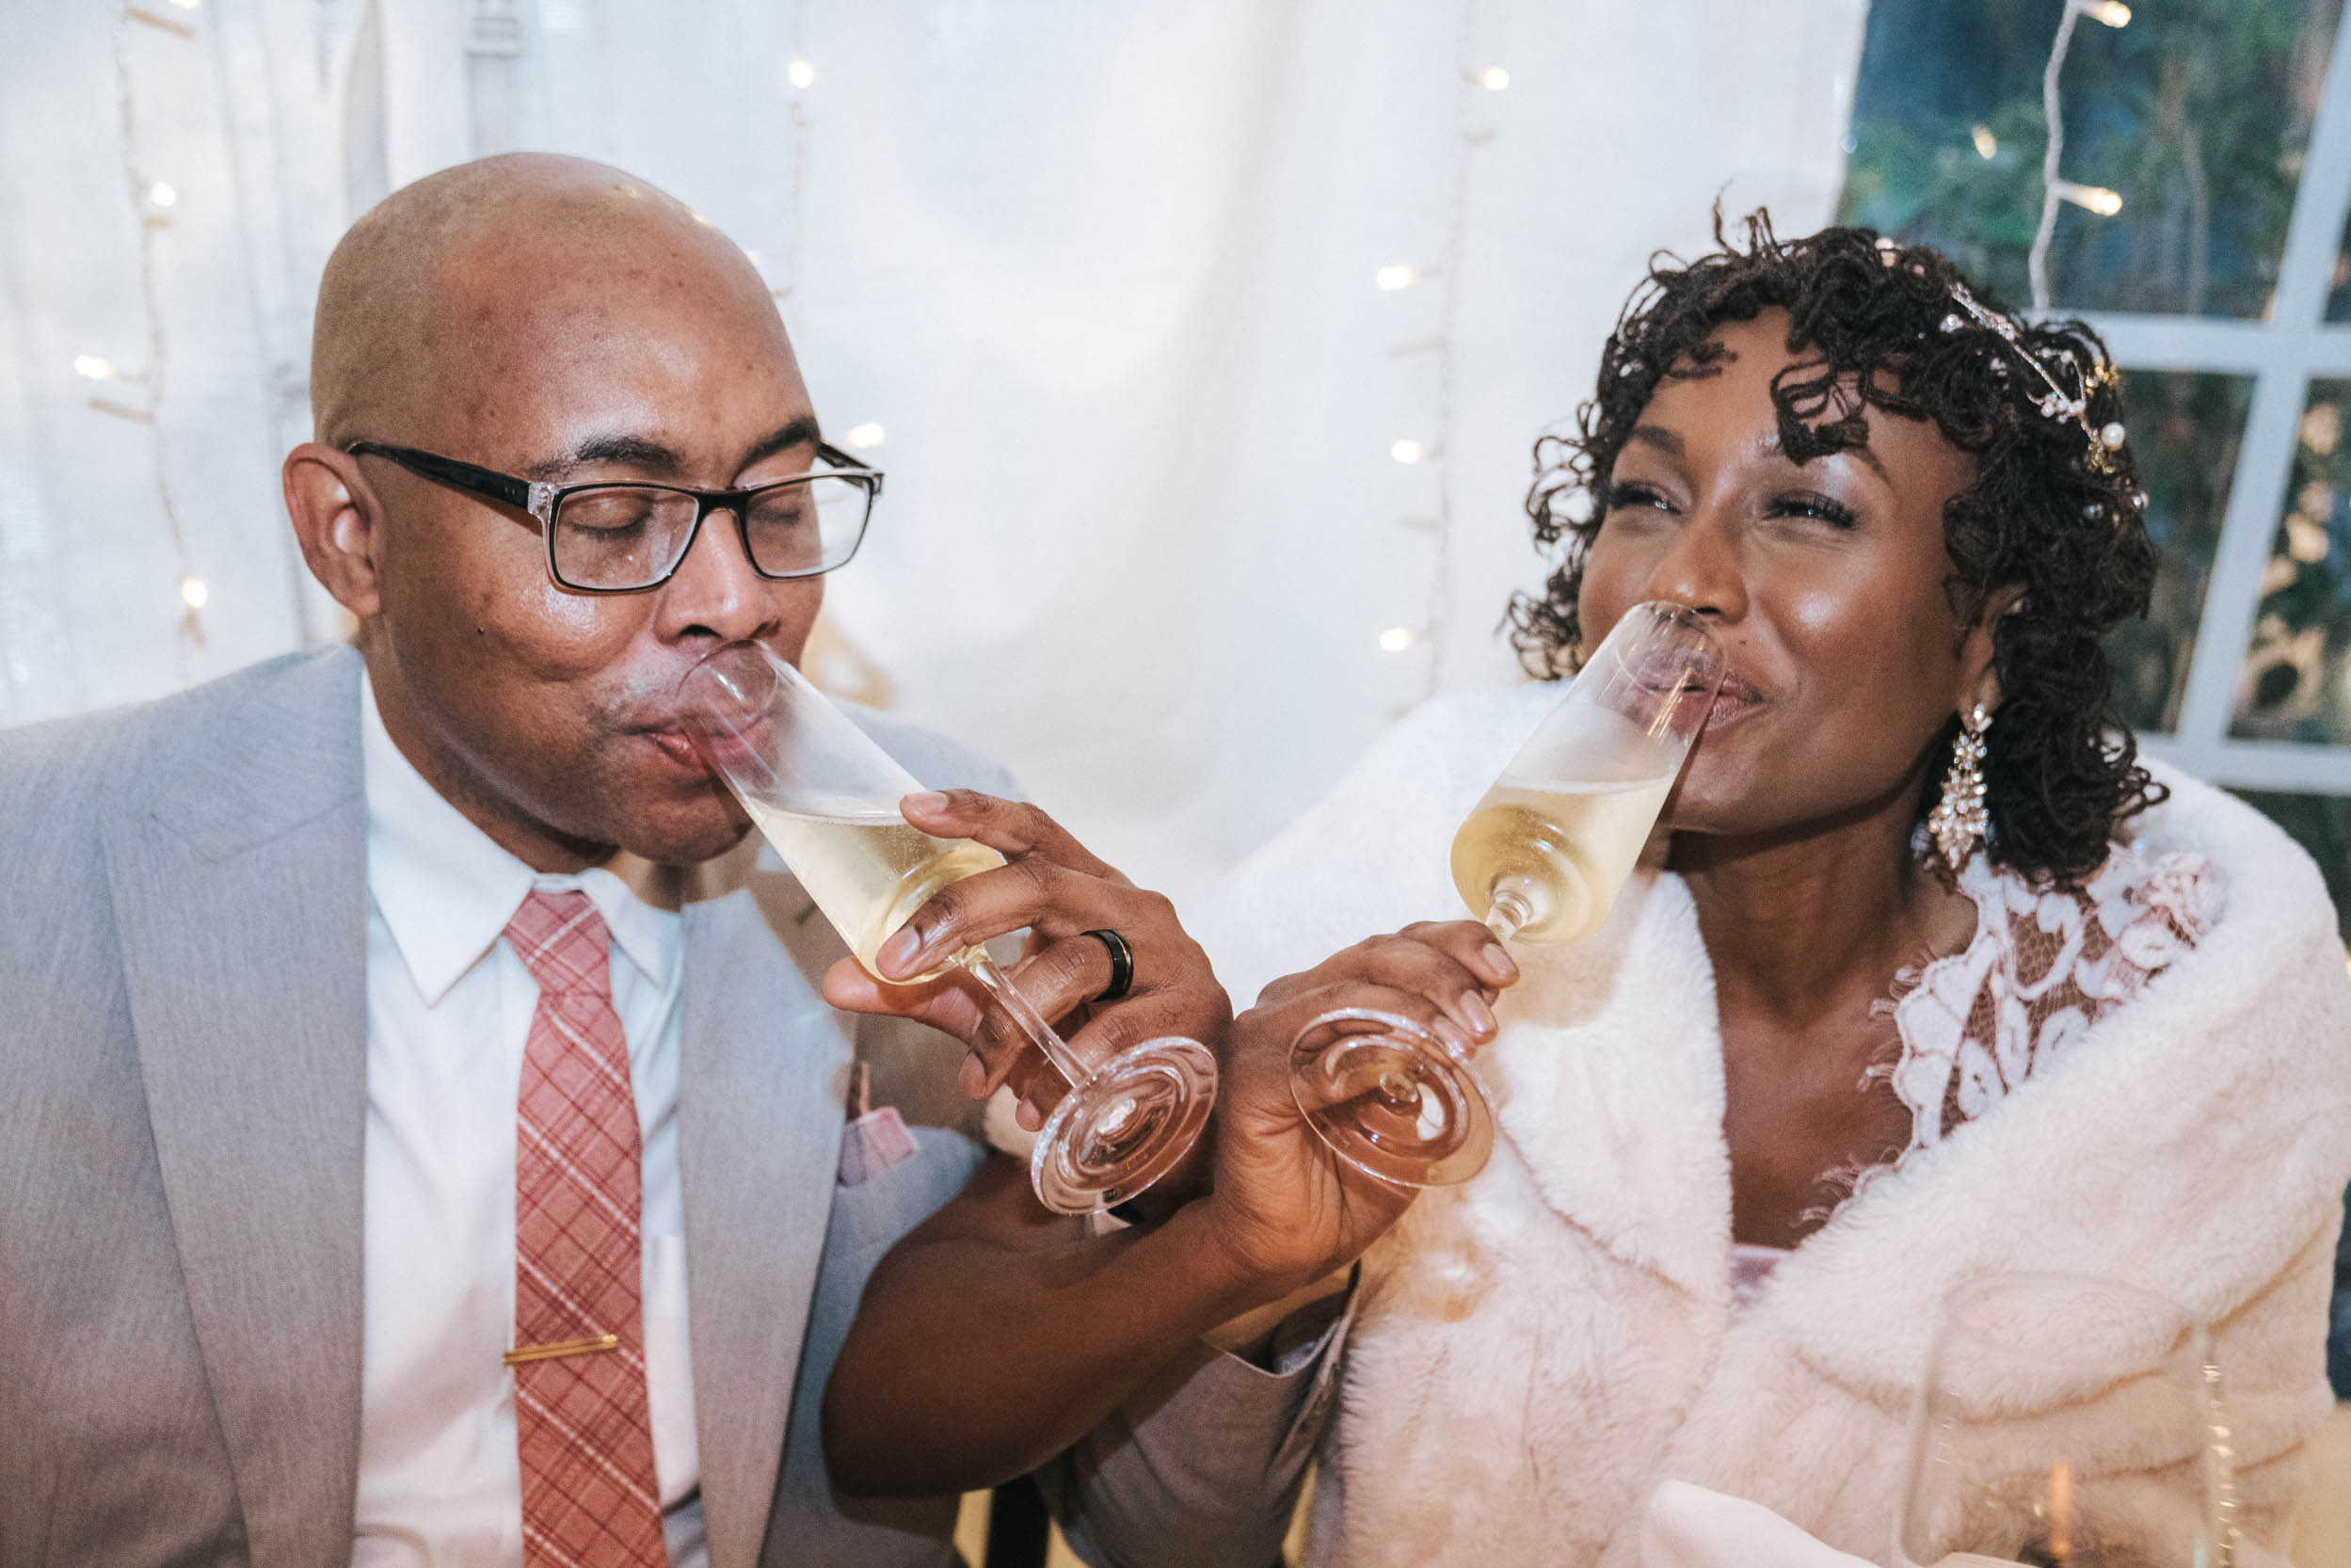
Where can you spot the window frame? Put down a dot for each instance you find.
(2283, 354)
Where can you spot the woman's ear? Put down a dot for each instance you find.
(1979, 675)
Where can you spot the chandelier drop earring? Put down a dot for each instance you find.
(1958, 820)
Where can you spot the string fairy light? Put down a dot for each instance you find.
(1475, 81)
(799, 72)
(2054, 188)
(145, 197)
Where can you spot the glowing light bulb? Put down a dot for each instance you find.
(1986, 145)
(194, 594)
(2112, 12)
(2095, 199)
(161, 195)
(866, 436)
(1408, 452)
(94, 367)
(1397, 276)
(800, 74)
(1395, 639)
(1493, 78)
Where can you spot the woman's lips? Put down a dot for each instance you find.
(1735, 698)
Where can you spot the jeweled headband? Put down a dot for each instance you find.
(2057, 403)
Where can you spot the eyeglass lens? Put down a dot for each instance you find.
(632, 535)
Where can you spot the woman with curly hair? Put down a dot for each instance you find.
(1835, 1052)
(1929, 979)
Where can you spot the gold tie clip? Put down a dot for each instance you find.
(521, 1353)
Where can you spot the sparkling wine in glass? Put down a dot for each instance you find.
(1542, 857)
(827, 797)
(2068, 1422)
(1540, 860)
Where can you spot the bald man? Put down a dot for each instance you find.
(421, 1133)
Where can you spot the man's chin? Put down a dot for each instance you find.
(684, 843)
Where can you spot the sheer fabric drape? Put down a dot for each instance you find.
(1102, 272)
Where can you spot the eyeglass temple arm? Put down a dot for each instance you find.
(465, 476)
(840, 459)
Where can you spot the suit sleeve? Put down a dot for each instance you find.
(1202, 1467)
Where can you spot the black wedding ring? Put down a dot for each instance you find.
(1122, 964)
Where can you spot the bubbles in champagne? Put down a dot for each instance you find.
(867, 870)
(1550, 857)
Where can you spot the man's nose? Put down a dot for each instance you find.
(715, 592)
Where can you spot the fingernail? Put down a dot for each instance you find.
(1450, 1033)
(1480, 1015)
(1499, 963)
(897, 954)
(973, 1077)
(1029, 1116)
(925, 800)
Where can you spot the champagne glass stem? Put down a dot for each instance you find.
(999, 986)
(1507, 908)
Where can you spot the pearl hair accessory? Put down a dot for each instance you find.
(2104, 440)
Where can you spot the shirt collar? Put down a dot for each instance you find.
(446, 890)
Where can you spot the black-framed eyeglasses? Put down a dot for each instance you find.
(617, 538)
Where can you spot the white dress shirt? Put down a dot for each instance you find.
(448, 1008)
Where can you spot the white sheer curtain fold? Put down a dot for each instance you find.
(1102, 271)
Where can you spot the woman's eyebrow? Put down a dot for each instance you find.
(1666, 441)
(1768, 446)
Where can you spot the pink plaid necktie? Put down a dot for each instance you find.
(582, 1427)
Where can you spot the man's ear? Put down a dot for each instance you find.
(337, 522)
(1979, 676)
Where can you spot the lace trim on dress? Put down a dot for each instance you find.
(2044, 966)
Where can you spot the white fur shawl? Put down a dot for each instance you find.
(1534, 1351)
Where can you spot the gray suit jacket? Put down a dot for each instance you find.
(182, 1097)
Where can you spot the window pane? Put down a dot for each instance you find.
(2339, 285)
(2185, 430)
(2196, 114)
(2293, 684)
(2321, 824)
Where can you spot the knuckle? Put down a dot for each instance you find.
(1069, 967)
(942, 911)
(1041, 876)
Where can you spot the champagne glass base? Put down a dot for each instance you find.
(1390, 1099)
(1125, 1126)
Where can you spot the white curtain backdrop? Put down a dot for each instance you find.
(1103, 271)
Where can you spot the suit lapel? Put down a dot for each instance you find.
(238, 872)
(762, 1078)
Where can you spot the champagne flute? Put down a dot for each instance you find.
(827, 797)
(1540, 860)
(2005, 1468)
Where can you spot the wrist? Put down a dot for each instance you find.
(1223, 1248)
(1199, 1241)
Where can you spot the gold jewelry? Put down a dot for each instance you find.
(590, 1346)
(1959, 820)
